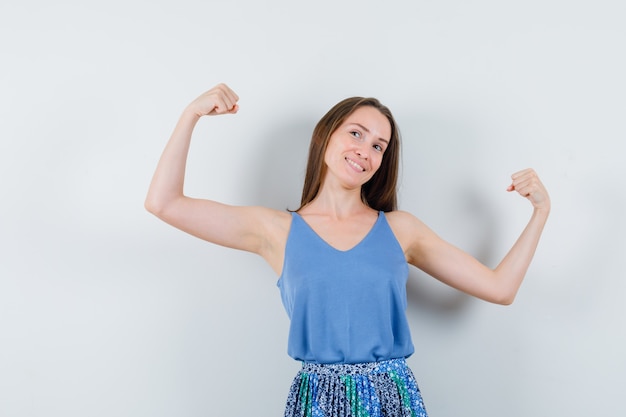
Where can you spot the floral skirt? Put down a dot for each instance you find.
(373, 389)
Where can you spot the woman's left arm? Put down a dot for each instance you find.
(460, 270)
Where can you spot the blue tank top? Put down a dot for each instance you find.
(345, 306)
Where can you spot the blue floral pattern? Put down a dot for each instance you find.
(375, 389)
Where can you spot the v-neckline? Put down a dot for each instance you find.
(325, 242)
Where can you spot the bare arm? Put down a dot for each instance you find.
(244, 228)
(458, 269)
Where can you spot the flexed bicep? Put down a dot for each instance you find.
(248, 228)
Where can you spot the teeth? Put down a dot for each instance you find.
(354, 164)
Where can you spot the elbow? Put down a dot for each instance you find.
(154, 206)
(505, 288)
(150, 205)
(163, 207)
(505, 299)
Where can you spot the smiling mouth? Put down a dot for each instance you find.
(355, 165)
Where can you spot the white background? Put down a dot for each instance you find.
(105, 311)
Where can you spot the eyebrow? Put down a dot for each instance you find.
(368, 131)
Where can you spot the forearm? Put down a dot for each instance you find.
(169, 177)
(513, 267)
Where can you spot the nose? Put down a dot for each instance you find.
(362, 152)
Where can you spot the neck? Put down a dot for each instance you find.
(337, 202)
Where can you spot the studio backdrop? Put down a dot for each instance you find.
(106, 311)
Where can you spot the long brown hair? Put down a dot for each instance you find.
(380, 191)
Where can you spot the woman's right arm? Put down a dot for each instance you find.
(244, 228)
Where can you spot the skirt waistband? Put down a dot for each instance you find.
(367, 368)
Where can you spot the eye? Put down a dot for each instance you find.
(378, 148)
(356, 134)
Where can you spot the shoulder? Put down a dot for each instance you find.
(400, 220)
(403, 223)
(411, 232)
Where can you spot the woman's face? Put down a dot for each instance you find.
(355, 150)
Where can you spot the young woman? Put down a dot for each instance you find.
(343, 255)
